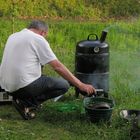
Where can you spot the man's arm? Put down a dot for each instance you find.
(66, 74)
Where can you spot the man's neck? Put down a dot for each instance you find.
(35, 31)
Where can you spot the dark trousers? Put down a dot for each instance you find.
(42, 89)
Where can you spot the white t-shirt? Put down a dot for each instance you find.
(24, 53)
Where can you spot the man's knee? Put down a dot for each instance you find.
(66, 85)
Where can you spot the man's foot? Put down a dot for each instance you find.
(57, 98)
(25, 112)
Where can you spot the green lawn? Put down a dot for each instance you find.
(55, 121)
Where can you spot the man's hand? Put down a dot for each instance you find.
(87, 88)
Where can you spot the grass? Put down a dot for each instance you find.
(52, 124)
(66, 120)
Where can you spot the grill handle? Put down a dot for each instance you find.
(96, 37)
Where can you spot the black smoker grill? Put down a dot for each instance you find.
(92, 62)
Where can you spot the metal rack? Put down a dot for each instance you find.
(4, 97)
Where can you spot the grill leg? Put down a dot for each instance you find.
(106, 95)
(76, 93)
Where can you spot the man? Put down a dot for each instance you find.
(20, 72)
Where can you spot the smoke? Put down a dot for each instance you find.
(115, 26)
(123, 29)
(124, 70)
(108, 28)
(98, 80)
(125, 65)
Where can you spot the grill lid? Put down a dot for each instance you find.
(91, 46)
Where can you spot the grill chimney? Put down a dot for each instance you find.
(103, 36)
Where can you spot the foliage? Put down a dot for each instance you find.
(124, 8)
(85, 9)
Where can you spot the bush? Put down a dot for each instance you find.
(124, 8)
(91, 9)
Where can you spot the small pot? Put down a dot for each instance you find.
(98, 109)
(100, 105)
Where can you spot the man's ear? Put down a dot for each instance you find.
(43, 33)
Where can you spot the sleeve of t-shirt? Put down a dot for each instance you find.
(43, 51)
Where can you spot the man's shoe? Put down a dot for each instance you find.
(24, 111)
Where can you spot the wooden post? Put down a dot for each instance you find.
(13, 15)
